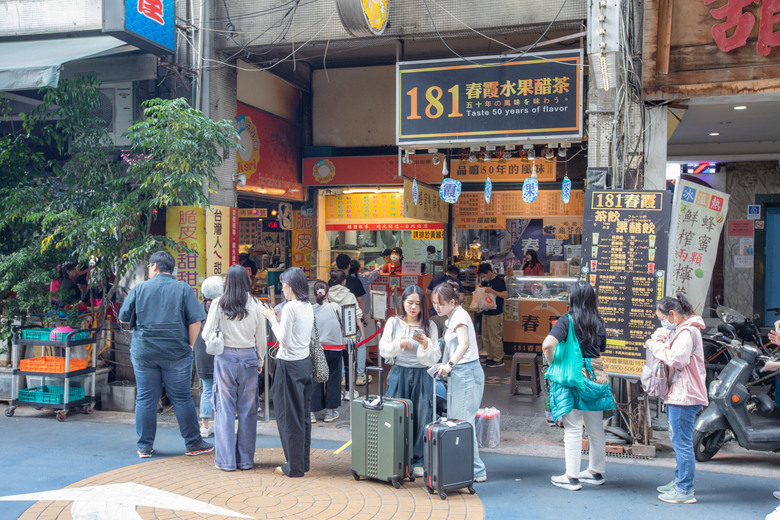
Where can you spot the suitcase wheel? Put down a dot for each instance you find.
(411, 478)
(396, 484)
(442, 495)
(471, 490)
(355, 475)
(431, 491)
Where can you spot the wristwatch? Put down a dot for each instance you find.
(451, 364)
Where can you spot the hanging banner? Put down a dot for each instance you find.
(698, 216)
(530, 190)
(186, 226)
(622, 233)
(503, 170)
(449, 191)
(533, 97)
(221, 239)
(566, 190)
(303, 240)
(488, 190)
(429, 205)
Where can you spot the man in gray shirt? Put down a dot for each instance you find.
(168, 318)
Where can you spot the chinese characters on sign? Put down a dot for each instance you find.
(624, 258)
(447, 101)
(699, 214)
(511, 205)
(186, 226)
(303, 240)
(394, 226)
(372, 206)
(512, 170)
(221, 239)
(428, 205)
(734, 31)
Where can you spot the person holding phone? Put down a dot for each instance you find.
(292, 386)
(410, 343)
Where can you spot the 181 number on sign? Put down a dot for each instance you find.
(435, 108)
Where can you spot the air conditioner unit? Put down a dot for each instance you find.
(116, 109)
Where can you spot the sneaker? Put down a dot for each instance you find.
(666, 488)
(776, 494)
(345, 395)
(313, 418)
(563, 481)
(594, 479)
(207, 432)
(774, 515)
(493, 364)
(675, 496)
(418, 472)
(482, 478)
(331, 415)
(145, 453)
(200, 449)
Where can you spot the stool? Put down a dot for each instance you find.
(525, 373)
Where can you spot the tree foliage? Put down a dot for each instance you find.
(66, 195)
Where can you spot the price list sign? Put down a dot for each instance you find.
(510, 204)
(379, 205)
(624, 244)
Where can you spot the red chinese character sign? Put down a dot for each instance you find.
(270, 159)
(697, 222)
(186, 226)
(735, 29)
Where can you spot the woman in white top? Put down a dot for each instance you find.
(237, 314)
(292, 386)
(411, 343)
(467, 380)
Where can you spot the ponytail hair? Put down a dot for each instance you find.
(678, 304)
(320, 291)
(445, 292)
(336, 278)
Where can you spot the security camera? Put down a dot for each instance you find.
(436, 159)
(240, 179)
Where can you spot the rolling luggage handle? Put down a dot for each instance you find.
(367, 403)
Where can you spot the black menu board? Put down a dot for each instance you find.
(624, 250)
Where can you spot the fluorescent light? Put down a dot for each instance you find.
(713, 134)
(740, 107)
(347, 191)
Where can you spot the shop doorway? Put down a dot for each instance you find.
(772, 271)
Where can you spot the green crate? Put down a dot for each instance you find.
(50, 394)
(44, 334)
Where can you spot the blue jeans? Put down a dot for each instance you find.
(150, 376)
(235, 396)
(416, 385)
(206, 393)
(681, 419)
(467, 382)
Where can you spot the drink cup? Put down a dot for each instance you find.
(652, 240)
(595, 239)
(651, 255)
(651, 268)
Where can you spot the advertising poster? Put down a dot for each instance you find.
(429, 205)
(623, 231)
(221, 239)
(186, 226)
(303, 240)
(698, 217)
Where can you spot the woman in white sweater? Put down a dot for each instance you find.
(341, 295)
(237, 314)
(292, 374)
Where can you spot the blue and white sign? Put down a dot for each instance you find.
(147, 24)
(415, 192)
(566, 190)
(754, 212)
(530, 189)
(449, 191)
(488, 190)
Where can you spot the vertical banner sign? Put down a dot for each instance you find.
(221, 239)
(493, 98)
(622, 234)
(697, 222)
(186, 226)
(303, 240)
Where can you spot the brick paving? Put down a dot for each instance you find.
(327, 492)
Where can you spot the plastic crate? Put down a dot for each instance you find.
(52, 364)
(45, 334)
(50, 394)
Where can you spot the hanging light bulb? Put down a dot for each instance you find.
(444, 170)
(548, 153)
(507, 155)
(488, 157)
(562, 153)
(530, 153)
(472, 157)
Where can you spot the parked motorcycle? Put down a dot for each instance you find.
(734, 412)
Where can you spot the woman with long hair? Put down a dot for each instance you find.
(410, 343)
(237, 314)
(292, 373)
(467, 380)
(572, 405)
(678, 344)
(531, 264)
(327, 396)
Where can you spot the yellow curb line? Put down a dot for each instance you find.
(342, 448)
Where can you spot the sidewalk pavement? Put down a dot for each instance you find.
(88, 450)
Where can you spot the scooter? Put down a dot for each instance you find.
(734, 413)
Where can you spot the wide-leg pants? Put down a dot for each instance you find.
(292, 404)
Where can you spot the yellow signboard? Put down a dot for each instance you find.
(429, 205)
(504, 170)
(364, 205)
(510, 204)
(253, 213)
(485, 222)
(428, 234)
(186, 226)
(221, 239)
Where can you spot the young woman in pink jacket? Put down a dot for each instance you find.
(679, 345)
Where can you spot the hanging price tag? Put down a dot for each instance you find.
(530, 190)
(566, 190)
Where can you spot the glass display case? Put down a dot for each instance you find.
(539, 287)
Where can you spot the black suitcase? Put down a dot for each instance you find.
(448, 455)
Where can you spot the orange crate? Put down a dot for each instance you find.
(51, 364)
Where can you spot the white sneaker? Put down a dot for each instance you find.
(345, 395)
(207, 432)
(774, 515)
(331, 415)
(313, 418)
(418, 472)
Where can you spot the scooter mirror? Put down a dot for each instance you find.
(727, 329)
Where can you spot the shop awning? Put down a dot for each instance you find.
(36, 64)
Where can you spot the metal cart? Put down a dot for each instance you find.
(85, 402)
